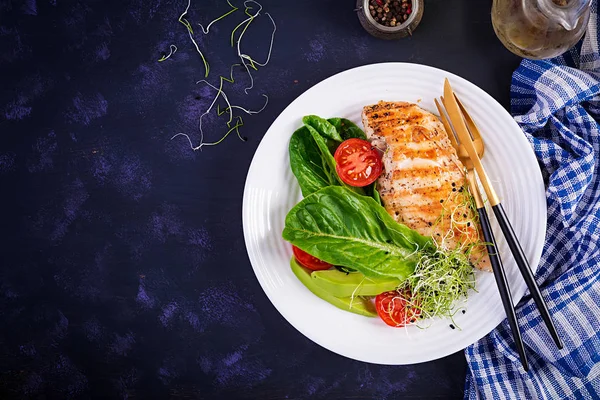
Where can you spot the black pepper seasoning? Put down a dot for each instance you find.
(390, 12)
(390, 19)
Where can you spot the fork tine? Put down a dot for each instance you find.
(472, 127)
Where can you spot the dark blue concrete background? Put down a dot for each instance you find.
(123, 267)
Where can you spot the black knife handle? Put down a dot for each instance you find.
(523, 264)
(500, 275)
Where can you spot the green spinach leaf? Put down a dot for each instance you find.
(347, 129)
(329, 162)
(376, 195)
(311, 152)
(307, 163)
(343, 228)
(323, 127)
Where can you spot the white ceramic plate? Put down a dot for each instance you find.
(271, 191)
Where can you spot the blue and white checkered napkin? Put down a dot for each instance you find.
(557, 104)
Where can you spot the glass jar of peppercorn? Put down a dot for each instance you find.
(389, 19)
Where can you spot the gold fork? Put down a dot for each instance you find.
(488, 236)
(477, 140)
(457, 123)
(462, 152)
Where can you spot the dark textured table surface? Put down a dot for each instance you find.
(124, 271)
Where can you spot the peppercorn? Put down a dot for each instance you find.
(390, 12)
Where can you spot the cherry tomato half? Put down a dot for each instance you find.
(308, 261)
(394, 310)
(358, 162)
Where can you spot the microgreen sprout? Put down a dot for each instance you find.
(249, 112)
(190, 31)
(173, 50)
(233, 9)
(229, 109)
(248, 20)
(252, 10)
(439, 280)
(236, 127)
(245, 57)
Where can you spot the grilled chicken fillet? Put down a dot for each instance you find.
(423, 185)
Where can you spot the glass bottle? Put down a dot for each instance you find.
(539, 29)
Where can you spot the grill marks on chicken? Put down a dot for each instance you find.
(423, 185)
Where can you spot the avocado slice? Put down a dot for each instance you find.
(358, 305)
(340, 284)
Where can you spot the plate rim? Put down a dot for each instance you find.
(480, 92)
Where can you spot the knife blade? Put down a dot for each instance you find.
(457, 121)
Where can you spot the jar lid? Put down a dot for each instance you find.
(381, 31)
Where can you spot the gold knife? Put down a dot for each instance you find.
(486, 231)
(457, 121)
